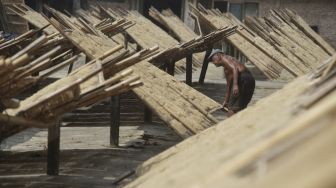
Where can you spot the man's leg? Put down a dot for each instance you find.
(235, 104)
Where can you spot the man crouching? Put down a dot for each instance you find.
(238, 76)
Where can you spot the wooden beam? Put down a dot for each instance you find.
(53, 148)
(115, 120)
(204, 66)
(189, 70)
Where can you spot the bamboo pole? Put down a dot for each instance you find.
(31, 46)
(21, 60)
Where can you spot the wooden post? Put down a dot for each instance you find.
(189, 70)
(148, 115)
(204, 66)
(171, 68)
(53, 148)
(115, 120)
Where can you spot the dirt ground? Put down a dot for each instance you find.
(87, 160)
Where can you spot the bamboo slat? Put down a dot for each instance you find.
(289, 33)
(243, 41)
(46, 105)
(85, 86)
(17, 70)
(145, 33)
(179, 29)
(171, 106)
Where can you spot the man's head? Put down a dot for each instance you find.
(215, 57)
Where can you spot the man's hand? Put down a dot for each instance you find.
(225, 107)
(235, 90)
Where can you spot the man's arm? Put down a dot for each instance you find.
(235, 81)
(232, 65)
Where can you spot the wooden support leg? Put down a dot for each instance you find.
(148, 115)
(125, 40)
(53, 148)
(115, 120)
(75, 52)
(204, 66)
(189, 70)
(2, 106)
(171, 68)
(70, 68)
(35, 88)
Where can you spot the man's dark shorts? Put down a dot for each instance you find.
(246, 84)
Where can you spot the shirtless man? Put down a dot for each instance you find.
(240, 82)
